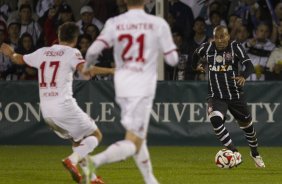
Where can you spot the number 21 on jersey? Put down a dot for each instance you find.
(130, 41)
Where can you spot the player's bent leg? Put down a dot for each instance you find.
(76, 176)
(89, 170)
(87, 173)
(251, 137)
(143, 162)
(217, 120)
(80, 150)
(85, 147)
(118, 151)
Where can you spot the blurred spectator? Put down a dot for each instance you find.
(87, 18)
(42, 6)
(121, 6)
(30, 2)
(238, 31)
(54, 20)
(232, 24)
(274, 63)
(183, 15)
(150, 6)
(92, 30)
(199, 37)
(103, 9)
(14, 15)
(65, 14)
(14, 28)
(180, 71)
(3, 26)
(211, 6)
(26, 46)
(276, 34)
(259, 48)
(216, 19)
(242, 34)
(5, 63)
(278, 10)
(247, 10)
(276, 31)
(52, 12)
(83, 43)
(28, 24)
(4, 11)
(171, 20)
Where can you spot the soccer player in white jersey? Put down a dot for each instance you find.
(138, 39)
(56, 65)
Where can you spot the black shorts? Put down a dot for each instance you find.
(238, 108)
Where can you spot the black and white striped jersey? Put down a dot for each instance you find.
(223, 65)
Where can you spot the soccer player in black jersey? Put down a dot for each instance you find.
(224, 58)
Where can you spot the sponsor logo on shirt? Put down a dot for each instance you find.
(220, 68)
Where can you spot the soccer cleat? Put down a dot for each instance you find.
(87, 174)
(98, 180)
(238, 158)
(72, 169)
(258, 161)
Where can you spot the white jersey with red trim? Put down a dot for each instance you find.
(56, 66)
(138, 38)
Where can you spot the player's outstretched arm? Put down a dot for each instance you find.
(94, 70)
(92, 54)
(16, 58)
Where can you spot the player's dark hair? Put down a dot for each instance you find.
(68, 32)
(135, 2)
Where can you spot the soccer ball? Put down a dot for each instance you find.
(225, 159)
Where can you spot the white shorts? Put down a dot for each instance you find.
(71, 123)
(135, 114)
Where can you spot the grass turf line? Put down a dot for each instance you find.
(172, 165)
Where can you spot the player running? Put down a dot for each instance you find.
(138, 38)
(56, 66)
(226, 89)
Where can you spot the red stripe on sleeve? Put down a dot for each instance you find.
(104, 41)
(169, 52)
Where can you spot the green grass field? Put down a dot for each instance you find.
(172, 165)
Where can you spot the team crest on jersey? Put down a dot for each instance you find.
(228, 56)
(219, 58)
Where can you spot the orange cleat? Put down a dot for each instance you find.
(76, 176)
(98, 180)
